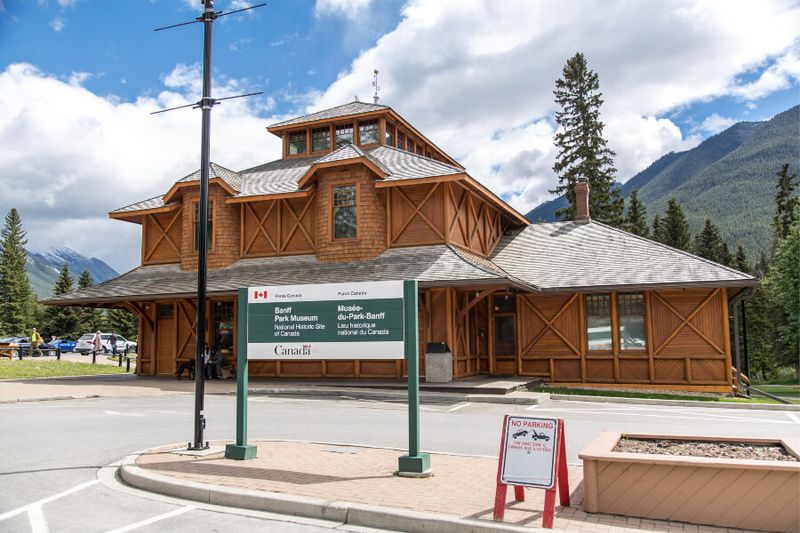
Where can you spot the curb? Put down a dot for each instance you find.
(532, 398)
(354, 514)
(675, 403)
(51, 398)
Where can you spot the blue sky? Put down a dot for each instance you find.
(78, 79)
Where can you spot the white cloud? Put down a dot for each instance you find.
(781, 75)
(715, 123)
(350, 9)
(477, 76)
(57, 24)
(76, 156)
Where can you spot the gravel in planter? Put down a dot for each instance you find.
(695, 448)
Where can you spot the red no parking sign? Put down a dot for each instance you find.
(532, 454)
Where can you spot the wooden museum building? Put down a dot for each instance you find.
(359, 194)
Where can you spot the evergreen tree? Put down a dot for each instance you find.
(725, 256)
(89, 320)
(783, 285)
(708, 244)
(582, 149)
(122, 322)
(636, 217)
(61, 321)
(741, 263)
(658, 229)
(785, 202)
(15, 289)
(675, 229)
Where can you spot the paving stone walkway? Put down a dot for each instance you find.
(461, 486)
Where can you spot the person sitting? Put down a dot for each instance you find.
(216, 360)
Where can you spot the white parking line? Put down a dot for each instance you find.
(154, 519)
(459, 406)
(794, 417)
(532, 407)
(39, 503)
(37, 520)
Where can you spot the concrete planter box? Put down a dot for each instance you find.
(755, 495)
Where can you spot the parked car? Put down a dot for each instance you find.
(64, 345)
(9, 346)
(85, 344)
(24, 346)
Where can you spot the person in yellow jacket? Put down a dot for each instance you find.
(36, 341)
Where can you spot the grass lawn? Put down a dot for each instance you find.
(652, 395)
(30, 368)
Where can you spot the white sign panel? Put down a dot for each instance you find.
(529, 451)
(326, 321)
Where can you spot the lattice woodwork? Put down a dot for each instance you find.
(416, 215)
(472, 223)
(278, 227)
(161, 237)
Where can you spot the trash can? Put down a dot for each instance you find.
(438, 363)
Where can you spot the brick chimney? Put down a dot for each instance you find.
(582, 200)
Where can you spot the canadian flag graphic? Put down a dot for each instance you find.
(259, 295)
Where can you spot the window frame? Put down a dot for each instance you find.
(335, 140)
(389, 134)
(616, 338)
(332, 221)
(195, 216)
(369, 121)
(631, 351)
(330, 141)
(299, 133)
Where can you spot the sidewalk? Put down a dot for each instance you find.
(320, 480)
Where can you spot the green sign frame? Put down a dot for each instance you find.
(414, 462)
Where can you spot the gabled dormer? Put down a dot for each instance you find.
(355, 123)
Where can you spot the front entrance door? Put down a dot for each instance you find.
(504, 337)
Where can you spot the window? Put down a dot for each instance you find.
(630, 309)
(344, 212)
(320, 139)
(598, 322)
(410, 145)
(389, 135)
(420, 149)
(210, 226)
(297, 143)
(344, 135)
(165, 310)
(368, 132)
(401, 140)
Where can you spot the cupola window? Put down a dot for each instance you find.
(344, 135)
(367, 132)
(389, 135)
(297, 143)
(320, 139)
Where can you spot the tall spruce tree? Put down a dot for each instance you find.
(725, 256)
(658, 229)
(61, 321)
(708, 243)
(675, 229)
(785, 203)
(15, 290)
(636, 217)
(582, 149)
(740, 262)
(783, 286)
(89, 320)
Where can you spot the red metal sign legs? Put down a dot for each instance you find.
(560, 481)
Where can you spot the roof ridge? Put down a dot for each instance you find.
(668, 247)
(323, 110)
(458, 251)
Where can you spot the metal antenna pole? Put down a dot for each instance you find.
(206, 103)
